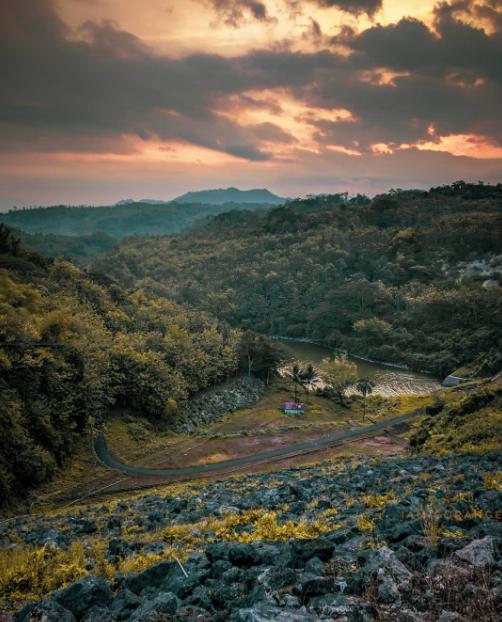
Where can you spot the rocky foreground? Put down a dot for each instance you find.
(408, 539)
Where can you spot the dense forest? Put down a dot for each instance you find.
(117, 221)
(72, 346)
(410, 277)
(77, 249)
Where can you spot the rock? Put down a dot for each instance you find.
(151, 610)
(47, 536)
(180, 585)
(288, 600)
(125, 602)
(48, 610)
(219, 568)
(448, 616)
(217, 550)
(447, 572)
(388, 591)
(268, 553)
(91, 591)
(314, 566)
(243, 555)
(232, 575)
(226, 510)
(200, 598)
(218, 401)
(84, 526)
(404, 530)
(408, 615)
(118, 547)
(98, 613)
(114, 523)
(479, 553)
(303, 550)
(311, 585)
(415, 543)
(226, 596)
(152, 577)
(384, 569)
(264, 612)
(190, 613)
(385, 559)
(277, 578)
(330, 605)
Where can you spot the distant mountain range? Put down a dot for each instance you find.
(78, 233)
(218, 196)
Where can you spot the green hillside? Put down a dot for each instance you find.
(117, 221)
(72, 347)
(409, 277)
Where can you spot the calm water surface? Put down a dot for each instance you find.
(388, 380)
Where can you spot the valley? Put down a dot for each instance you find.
(143, 402)
(251, 311)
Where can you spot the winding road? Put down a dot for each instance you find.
(306, 447)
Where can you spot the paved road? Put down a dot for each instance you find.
(319, 443)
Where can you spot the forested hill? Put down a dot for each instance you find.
(118, 221)
(72, 347)
(410, 277)
(77, 249)
(233, 195)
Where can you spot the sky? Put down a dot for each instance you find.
(103, 100)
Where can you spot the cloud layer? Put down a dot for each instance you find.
(404, 85)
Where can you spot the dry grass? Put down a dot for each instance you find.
(431, 525)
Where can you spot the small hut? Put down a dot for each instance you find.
(293, 408)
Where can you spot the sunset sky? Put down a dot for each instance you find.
(109, 99)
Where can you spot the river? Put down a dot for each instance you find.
(388, 380)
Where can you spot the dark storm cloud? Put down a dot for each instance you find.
(95, 88)
(451, 80)
(235, 11)
(353, 6)
(356, 7)
(110, 83)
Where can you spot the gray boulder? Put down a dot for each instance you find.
(391, 575)
(152, 577)
(479, 553)
(99, 613)
(88, 592)
(48, 610)
(243, 555)
(151, 610)
(264, 612)
(124, 603)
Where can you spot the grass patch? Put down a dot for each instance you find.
(469, 420)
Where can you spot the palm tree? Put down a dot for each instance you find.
(296, 374)
(309, 375)
(365, 387)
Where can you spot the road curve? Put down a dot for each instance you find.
(105, 457)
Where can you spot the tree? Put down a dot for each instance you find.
(309, 376)
(259, 356)
(302, 377)
(295, 373)
(365, 387)
(338, 374)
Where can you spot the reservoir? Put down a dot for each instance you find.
(388, 380)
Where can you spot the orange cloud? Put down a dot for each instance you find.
(469, 145)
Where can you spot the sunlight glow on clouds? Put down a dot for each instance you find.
(255, 89)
